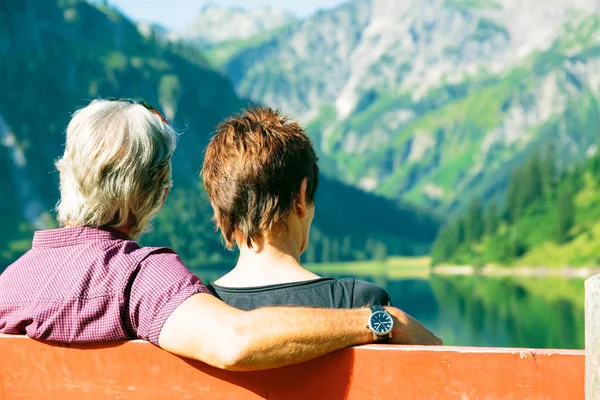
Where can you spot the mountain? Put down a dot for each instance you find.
(217, 24)
(58, 55)
(433, 101)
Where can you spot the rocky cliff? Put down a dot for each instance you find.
(433, 101)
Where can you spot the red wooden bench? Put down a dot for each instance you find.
(138, 370)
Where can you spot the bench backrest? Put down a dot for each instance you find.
(138, 370)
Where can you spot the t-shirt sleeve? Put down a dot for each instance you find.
(367, 294)
(161, 284)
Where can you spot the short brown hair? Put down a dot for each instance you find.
(253, 169)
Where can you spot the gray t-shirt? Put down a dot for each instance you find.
(319, 293)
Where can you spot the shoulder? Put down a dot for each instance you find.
(144, 252)
(161, 261)
(149, 257)
(157, 254)
(160, 268)
(140, 260)
(366, 293)
(124, 250)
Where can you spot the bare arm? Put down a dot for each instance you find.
(206, 329)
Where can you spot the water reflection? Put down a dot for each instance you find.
(505, 312)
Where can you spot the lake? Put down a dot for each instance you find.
(497, 312)
(467, 310)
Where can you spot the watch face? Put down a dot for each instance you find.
(381, 322)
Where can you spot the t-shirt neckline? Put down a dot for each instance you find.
(270, 287)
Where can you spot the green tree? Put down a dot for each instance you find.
(514, 197)
(549, 170)
(518, 245)
(325, 249)
(335, 250)
(595, 163)
(380, 253)
(525, 187)
(346, 249)
(565, 218)
(473, 222)
(532, 182)
(491, 219)
(445, 245)
(458, 229)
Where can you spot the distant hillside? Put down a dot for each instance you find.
(550, 219)
(57, 55)
(432, 101)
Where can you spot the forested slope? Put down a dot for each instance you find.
(550, 218)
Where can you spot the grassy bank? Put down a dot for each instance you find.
(392, 268)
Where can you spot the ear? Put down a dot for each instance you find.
(301, 199)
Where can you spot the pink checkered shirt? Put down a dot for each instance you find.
(82, 285)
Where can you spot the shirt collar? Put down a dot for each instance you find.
(75, 235)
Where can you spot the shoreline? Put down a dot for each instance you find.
(419, 267)
(493, 270)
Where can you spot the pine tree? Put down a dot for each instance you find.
(473, 223)
(444, 247)
(380, 253)
(595, 161)
(310, 255)
(335, 250)
(532, 181)
(518, 245)
(325, 249)
(565, 218)
(502, 249)
(346, 249)
(514, 196)
(458, 230)
(525, 188)
(491, 221)
(549, 170)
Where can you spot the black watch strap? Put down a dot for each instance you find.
(375, 308)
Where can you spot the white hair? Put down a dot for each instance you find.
(116, 166)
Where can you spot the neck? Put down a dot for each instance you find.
(277, 251)
(265, 263)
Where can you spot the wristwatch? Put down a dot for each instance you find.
(380, 323)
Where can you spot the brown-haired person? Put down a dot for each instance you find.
(261, 174)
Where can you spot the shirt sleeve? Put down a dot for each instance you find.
(367, 294)
(162, 283)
